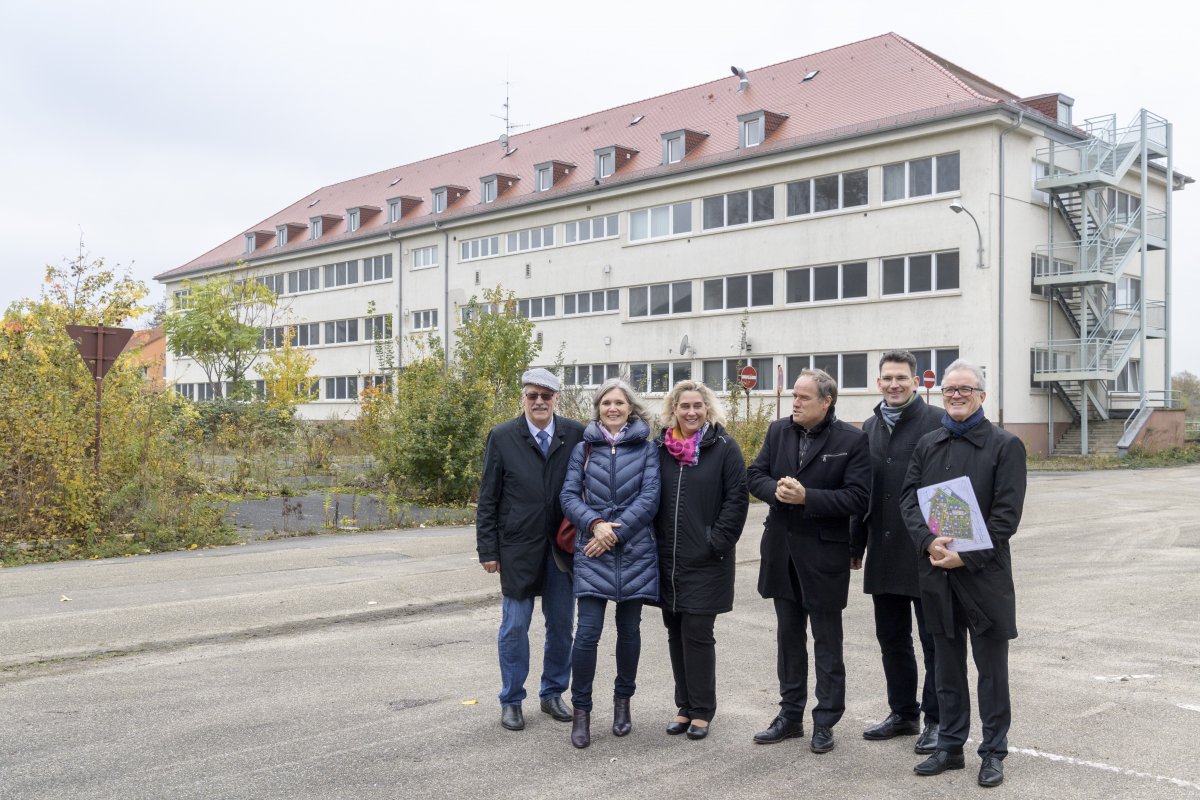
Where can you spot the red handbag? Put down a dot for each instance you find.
(565, 537)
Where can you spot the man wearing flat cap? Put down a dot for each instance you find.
(524, 465)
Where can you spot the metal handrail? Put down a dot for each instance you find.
(1098, 152)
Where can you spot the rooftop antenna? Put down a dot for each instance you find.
(509, 126)
(743, 81)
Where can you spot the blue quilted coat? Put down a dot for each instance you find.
(621, 485)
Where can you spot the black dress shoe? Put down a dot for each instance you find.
(675, 728)
(822, 739)
(581, 728)
(991, 771)
(893, 726)
(512, 718)
(695, 731)
(555, 707)
(927, 741)
(939, 762)
(778, 730)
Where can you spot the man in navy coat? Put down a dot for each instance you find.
(814, 471)
(524, 466)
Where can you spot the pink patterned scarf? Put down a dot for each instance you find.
(686, 451)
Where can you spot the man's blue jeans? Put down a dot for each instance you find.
(558, 608)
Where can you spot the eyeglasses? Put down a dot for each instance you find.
(960, 391)
(533, 397)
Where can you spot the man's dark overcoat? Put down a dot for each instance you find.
(836, 473)
(994, 460)
(891, 565)
(519, 511)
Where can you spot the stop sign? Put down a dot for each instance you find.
(748, 377)
(930, 378)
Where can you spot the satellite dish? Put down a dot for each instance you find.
(684, 347)
(503, 140)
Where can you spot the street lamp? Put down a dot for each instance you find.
(959, 208)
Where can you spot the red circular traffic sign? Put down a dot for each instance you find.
(930, 378)
(748, 377)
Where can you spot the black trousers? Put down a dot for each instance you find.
(792, 641)
(893, 630)
(954, 693)
(693, 651)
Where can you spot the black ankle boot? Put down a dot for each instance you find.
(622, 724)
(581, 728)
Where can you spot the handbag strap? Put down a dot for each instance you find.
(587, 456)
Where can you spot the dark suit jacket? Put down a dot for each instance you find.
(519, 511)
(814, 537)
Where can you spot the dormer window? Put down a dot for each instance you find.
(487, 190)
(255, 238)
(446, 196)
(399, 206)
(439, 201)
(316, 227)
(251, 242)
(285, 232)
(549, 173)
(1064, 106)
(394, 210)
(353, 219)
(677, 144)
(545, 178)
(755, 127)
(493, 187)
(612, 158)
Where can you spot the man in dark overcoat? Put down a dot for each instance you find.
(524, 465)
(969, 594)
(899, 420)
(814, 472)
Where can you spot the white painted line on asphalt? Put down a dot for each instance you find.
(1105, 767)
(1188, 707)
(1122, 678)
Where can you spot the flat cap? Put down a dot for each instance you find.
(541, 377)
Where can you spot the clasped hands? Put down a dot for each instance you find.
(604, 538)
(940, 554)
(789, 490)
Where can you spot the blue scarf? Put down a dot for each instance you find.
(961, 428)
(892, 415)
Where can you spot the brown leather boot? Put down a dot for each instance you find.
(622, 724)
(581, 728)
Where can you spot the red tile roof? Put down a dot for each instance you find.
(869, 85)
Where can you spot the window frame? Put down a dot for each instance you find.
(935, 274)
(672, 300)
(934, 177)
(672, 211)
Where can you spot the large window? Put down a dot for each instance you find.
(531, 239)
(659, 299)
(378, 327)
(272, 337)
(480, 248)
(928, 272)
(827, 193)
(304, 280)
(655, 223)
(1129, 292)
(658, 376)
(423, 257)
(848, 369)
(586, 230)
(183, 300)
(537, 307)
(342, 273)
(377, 268)
(277, 283)
(739, 208)
(308, 334)
(739, 291)
(425, 320)
(342, 388)
(920, 177)
(720, 374)
(592, 302)
(1129, 379)
(936, 359)
(589, 374)
(833, 282)
(339, 331)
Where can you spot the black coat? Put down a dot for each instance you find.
(891, 566)
(519, 512)
(815, 537)
(994, 460)
(699, 521)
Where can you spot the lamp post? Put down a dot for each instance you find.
(959, 208)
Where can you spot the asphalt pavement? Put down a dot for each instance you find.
(364, 666)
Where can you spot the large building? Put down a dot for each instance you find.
(815, 212)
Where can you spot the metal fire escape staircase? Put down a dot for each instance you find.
(1080, 274)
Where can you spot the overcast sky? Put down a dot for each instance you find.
(157, 130)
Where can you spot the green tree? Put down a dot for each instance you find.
(221, 328)
(1187, 384)
(287, 373)
(495, 348)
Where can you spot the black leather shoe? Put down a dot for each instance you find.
(695, 731)
(778, 730)
(893, 726)
(622, 724)
(512, 718)
(675, 728)
(991, 771)
(939, 762)
(555, 707)
(927, 741)
(581, 728)
(822, 739)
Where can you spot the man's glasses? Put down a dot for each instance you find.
(960, 391)
(533, 397)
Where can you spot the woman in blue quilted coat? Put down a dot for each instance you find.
(611, 495)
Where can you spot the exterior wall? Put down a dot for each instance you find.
(1163, 431)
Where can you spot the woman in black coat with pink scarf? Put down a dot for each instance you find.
(700, 517)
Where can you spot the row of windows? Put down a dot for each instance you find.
(342, 387)
(338, 331)
(343, 273)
